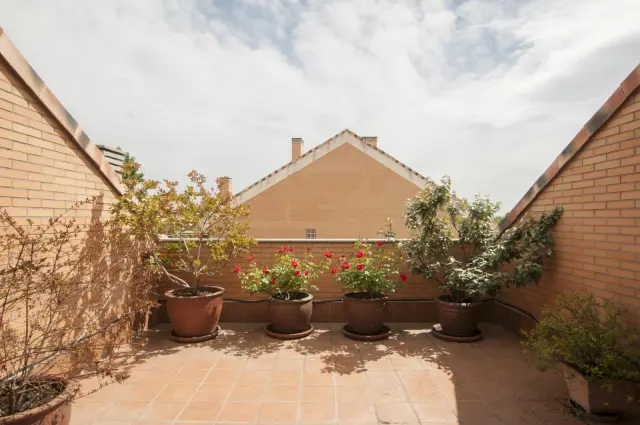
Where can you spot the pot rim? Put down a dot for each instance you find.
(64, 397)
(218, 293)
(307, 298)
(469, 304)
(350, 297)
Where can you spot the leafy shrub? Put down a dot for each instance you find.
(288, 278)
(456, 242)
(588, 335)
(371, 269)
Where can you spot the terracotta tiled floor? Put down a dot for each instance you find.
(245, 377)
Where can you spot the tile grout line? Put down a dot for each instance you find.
(194, 393)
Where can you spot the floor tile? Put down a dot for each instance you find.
(247, 393)
(351, 379)
(212, 392)
(201, 411)
(356, 413)
(217, 376)
(280, 412)
(286, 378)
(162, 410)
(325, 394)
(317, 412)
(436, 412)
(353, 394)
(317, 379)
(254, 377)
(389, 393)
(177, 392)
(239, 412)
(396, 413)
(423, 393)
(190, 376)
(283, 393)
(124, 410)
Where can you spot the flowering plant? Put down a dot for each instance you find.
(288, 278)
(371, 269)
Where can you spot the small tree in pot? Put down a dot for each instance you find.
(193, 234)
(287, 281)
(456, 242)
(71, 296)
(367, 277)
(599, 352)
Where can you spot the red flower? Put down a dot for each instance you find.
(403, 277)
(346, 265)
(334, 270)
(360, 266)
(265, 271)
(308, 249)
(294, 264)
(359, 254)
(379, 243)
(250, 258)
(236, 269)
(273, 280)
(342, 256)
(286, 249)
(328, 254)
(306, 273)
(386, 277)
(297, 273)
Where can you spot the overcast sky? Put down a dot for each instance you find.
(488, 92)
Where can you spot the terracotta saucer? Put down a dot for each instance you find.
(437, 331)
(273, 334)
(384, 333)
(191, 339)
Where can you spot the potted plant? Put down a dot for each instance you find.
(456, 242)
(598, 350)
(192, 234)
(70, 298)
(287, 282)
(367, 277)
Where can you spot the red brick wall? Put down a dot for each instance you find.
(597, 240)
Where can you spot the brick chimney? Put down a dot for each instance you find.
(224, 183)
(371, 140)
(297, 146)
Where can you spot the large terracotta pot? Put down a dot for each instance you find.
(195, 316)
(364, 315)
(55, 412)
(291, 316)
(601, 396)
(458, 319)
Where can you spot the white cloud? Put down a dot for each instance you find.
(486, 91)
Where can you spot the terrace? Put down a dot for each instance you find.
(243, 376)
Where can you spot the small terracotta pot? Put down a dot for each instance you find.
(55, 412)
(458, 319)
(291, 316)
(195, 316)
(599, 396)
(364, 316)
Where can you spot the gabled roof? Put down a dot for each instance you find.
(606, 111)
(344, 137)
(10, 53)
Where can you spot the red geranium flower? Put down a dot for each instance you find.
(297, 273)
(379, 243)
(265, 271)
(273, 280)
(294, 264)
(346, 265)
(334, 270)
(360, 266)
(306, 273)
(386, 277)
(403, 277)
(236, 269)
(328, 254)
(308, 249)
(250, 258)
(286, 249)
(359, 254)
(342, 256)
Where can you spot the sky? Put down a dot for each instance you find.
(487, 92)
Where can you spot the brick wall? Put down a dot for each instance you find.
(597, 240)
(344, 194)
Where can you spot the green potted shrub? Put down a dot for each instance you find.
(71, 295)
(456, 242)
(193, 234)
(598, 351)
(367, 276)
(287, 281)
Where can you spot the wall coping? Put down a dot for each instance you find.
(37, 86)
(619, 96)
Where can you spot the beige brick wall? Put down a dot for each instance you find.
(42, 171)
(597, 240)
(344, 194)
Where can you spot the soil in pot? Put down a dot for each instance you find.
(365, 312)
(458, 319)
(194, 313)
(45, 402)
(290, 313)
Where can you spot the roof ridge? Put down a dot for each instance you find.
(602, 115)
